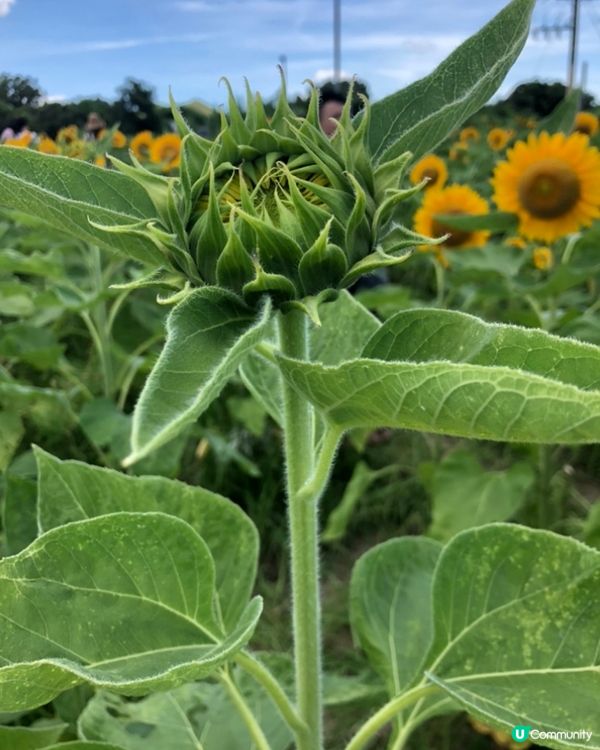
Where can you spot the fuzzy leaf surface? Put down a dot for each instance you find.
(124, 602)
(68, 193)
(418, 117)
(73, 491)
(208, 335)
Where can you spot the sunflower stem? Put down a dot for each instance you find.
(303, 524)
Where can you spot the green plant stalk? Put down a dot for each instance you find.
(253, 727)
(387, 713)
(263, 676)
(303, 528)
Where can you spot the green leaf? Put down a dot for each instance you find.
(73, 491)
(390, 608)
(465, 496)
(562, 117)
(11, 432)
(82, 745)
(19, 513)
(68, 193)
(190, 717)
(128, 604)
(436, 335)
(420, 116)
(517, 624)
(208, 334)
(38, 347)
(30, 738)
(450, 373)
(496, 221)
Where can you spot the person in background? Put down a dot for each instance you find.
(330, 109)
(94, 126)
(16, 128)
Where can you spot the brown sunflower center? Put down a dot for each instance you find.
(457, 236)
(549, 189)
(431, 174)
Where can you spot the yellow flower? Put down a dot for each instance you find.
(468, 134)
(165, 151)
(430, 166)
(543, 258)
(498, 138)
(119, 140)
(517, 242)
(457, 150)
(76, 149)
(455, 199)
(586, 123)
(100, 161)
(22, 141)
(141, 144)
(552, 183)
(47, 146)
(68, 134)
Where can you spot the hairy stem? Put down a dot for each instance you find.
(303, 526)
(245, 712)
(386, 714)
(264, 677)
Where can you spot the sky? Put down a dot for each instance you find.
(76, 49)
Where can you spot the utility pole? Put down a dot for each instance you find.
(337, 40)
(573, 45)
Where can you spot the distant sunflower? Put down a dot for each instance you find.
(21, 141)
(119, 140)
(458, 200)
(165, 151)
(68, 134)
(100, 161)
(552, 183)
(498, 138)
(543, 258)
(140, 145)
(432, 167)
(457, 151)
(517, 242)
(468, 134)
(586, 123)
(47, 146)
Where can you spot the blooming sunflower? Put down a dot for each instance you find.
(47, 146)
(517, 242)
(165, 151)
(586, 123)
(543, 258)
(21, 141)
(455, 199)
(498, 138)
(119, 140)
(457, 151)
(100, 161)
(468, 134)
(68, 134)
(552, 183)
(432, 167)
(141, 144)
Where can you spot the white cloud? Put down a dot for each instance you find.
(110, 45)
(326, 74)
(5, 6)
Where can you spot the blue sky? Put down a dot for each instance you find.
(78, 49)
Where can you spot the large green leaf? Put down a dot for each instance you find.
(562, 117)
(68, 193)
(30, 738)
(464, 495)
(444, 335)
(187, 718)
(73, 491)
(517, 627)
(390, 607)
(124, 601)
(83, 745)
(19, 512)
(208, 334)
(450, 373)
(421, 115)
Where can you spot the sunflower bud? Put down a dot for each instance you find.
(276, 207)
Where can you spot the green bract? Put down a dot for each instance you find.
(275, 207)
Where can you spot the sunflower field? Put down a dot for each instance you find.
(299, 434)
